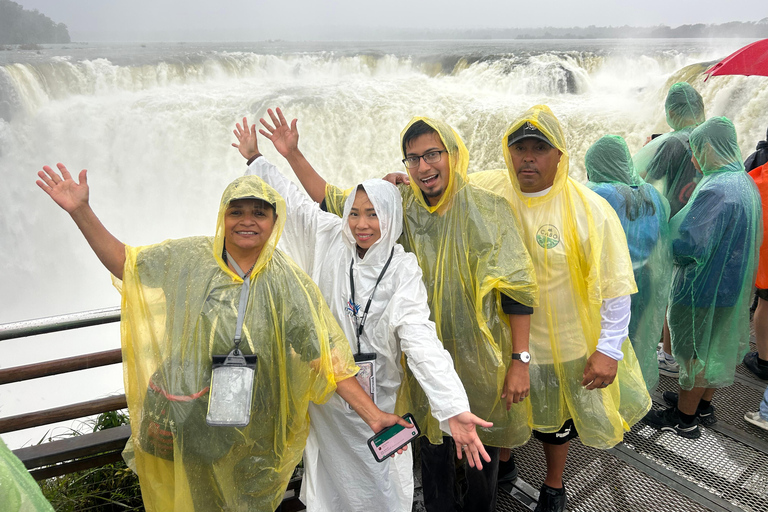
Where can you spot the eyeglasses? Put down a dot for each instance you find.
(432, 157)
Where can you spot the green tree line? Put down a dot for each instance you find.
(19, 26)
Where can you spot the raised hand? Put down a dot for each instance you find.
(465, 436)
(246, 140)
(63, 189)
(284, 137)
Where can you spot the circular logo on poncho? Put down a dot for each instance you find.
(548, 236)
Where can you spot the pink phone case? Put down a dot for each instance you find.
(391, 439)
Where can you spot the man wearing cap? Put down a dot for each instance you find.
(581, 355)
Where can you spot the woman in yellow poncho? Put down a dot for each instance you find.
(186, 301)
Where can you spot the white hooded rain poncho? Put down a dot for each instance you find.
(340, 471)
(470, 250)
(581, 258)
(179, 308)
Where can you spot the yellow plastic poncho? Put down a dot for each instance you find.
(580, 253)
(715, 244)
(470, 250)
(179, 306)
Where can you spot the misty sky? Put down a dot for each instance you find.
(252, 20)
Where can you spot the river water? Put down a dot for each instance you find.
(153, 125)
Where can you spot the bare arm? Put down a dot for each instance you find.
(72, 197)
(517, 383)
(286, 141)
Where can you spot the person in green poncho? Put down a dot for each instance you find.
(644, 215)
(715, 243)
(187, 302)
(665, 163)
(481, 288)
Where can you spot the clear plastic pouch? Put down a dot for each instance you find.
(229, 403)
(366, 376)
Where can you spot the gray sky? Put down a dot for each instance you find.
(251, 20)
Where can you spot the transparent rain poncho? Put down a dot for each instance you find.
(760, 176)
(18, 490)
(715, 243)
(665, 162)
(470, 250)
(179, 308)
(580, 254)
(644, 215)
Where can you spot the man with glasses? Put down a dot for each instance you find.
(467, 242)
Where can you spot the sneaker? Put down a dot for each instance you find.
(508, 471)
(668, 367)
(750, 361)
(757, 420)
(551, 500)
(706, 416)
(668, 420)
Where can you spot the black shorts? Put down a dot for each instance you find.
(562, 436)
(762, 293)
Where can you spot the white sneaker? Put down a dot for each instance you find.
(757, 420)
(667, 366)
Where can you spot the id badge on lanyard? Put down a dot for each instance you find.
(229, 403)
(232, 375)
(366, 376)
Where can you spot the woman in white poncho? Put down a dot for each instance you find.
(358, 266)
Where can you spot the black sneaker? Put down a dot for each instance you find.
(668, 420)
(750, 361)
(551, 500)
(706, 416)
(508, 470)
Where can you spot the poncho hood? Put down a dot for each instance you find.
(388, 204)
(255, 188)
(542, 118)
(715, 146)
(684, 106)
(608, 161)
(459, 161)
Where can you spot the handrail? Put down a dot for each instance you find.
(59, 323)
(59, 366)
(67, 412)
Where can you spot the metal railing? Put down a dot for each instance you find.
(69, 454)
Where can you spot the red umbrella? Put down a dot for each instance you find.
(750, 60)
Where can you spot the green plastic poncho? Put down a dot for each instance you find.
(644, 216)
(665, 162)
(470, 250)
(179, 308)
(581, 258)
(715, 243)
(18, 490)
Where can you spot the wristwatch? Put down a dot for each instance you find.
(523, 356)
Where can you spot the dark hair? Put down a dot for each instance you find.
(416, 130)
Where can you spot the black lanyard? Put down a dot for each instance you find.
(359, 326)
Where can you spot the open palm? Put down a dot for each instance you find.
(67, 193)
(285, 138)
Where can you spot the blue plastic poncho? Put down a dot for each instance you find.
(715, 243)
(470, 250)
(644, 215)
(179, 308)
(665, 162)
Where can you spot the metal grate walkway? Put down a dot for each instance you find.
(726, 470)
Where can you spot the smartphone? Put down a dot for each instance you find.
(391, 439)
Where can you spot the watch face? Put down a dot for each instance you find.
(522, 356)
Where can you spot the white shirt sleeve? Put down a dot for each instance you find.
(430, 363)
(614, 326)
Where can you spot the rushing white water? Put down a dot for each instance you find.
(152, 123)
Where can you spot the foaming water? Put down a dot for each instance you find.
(153, 124)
